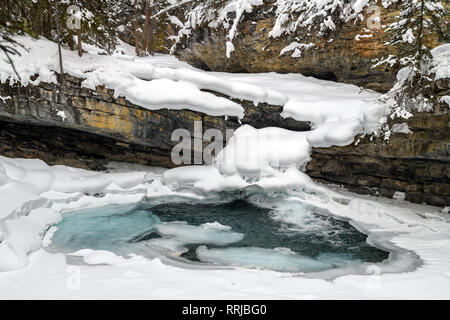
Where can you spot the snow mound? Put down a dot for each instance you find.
(25, 212)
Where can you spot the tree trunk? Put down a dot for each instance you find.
(70, 40)
(36, 19)
(58, 28)
(147, 25)
(420, 35)
(80, 44)
(152, 31)
(47, 24)
(136, 36)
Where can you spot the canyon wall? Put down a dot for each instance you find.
(66, 124)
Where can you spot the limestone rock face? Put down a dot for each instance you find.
(417, 164)
(346, 55)
(68, 124)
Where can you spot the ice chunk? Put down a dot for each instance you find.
(186, 233)
(215, 225)
(173, 246)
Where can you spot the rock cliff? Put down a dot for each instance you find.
(416, 164)
(346, 54)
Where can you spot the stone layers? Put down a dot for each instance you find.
(347, 54)
(416, 164)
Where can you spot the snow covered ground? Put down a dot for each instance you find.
(34, 196)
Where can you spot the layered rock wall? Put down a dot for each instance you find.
(416, 164)
(346, 54)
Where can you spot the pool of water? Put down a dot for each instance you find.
(280, 235)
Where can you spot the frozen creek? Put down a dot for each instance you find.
(279, 235)
(40, 197)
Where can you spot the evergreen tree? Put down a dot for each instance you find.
(420, 24)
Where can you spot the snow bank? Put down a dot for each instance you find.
(252, 155)
(33, 195)
(95, 257)
(28, 187)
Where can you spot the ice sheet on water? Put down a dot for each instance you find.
(106, 228)
(278, 259)
(173, 246)
(176, 234)
(198, 234)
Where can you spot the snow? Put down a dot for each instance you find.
(441, 61)
(255, 153)
(408, 36)
(215, 225)
(61, 114)
(95, 257)
(399, 195)
(4, 99)
(401, 128)
(359, 5)
(297, 48)
(358, 37)
(294, 14)
(446, 99)
(230, 49)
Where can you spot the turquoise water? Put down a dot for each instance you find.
(283, 236)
